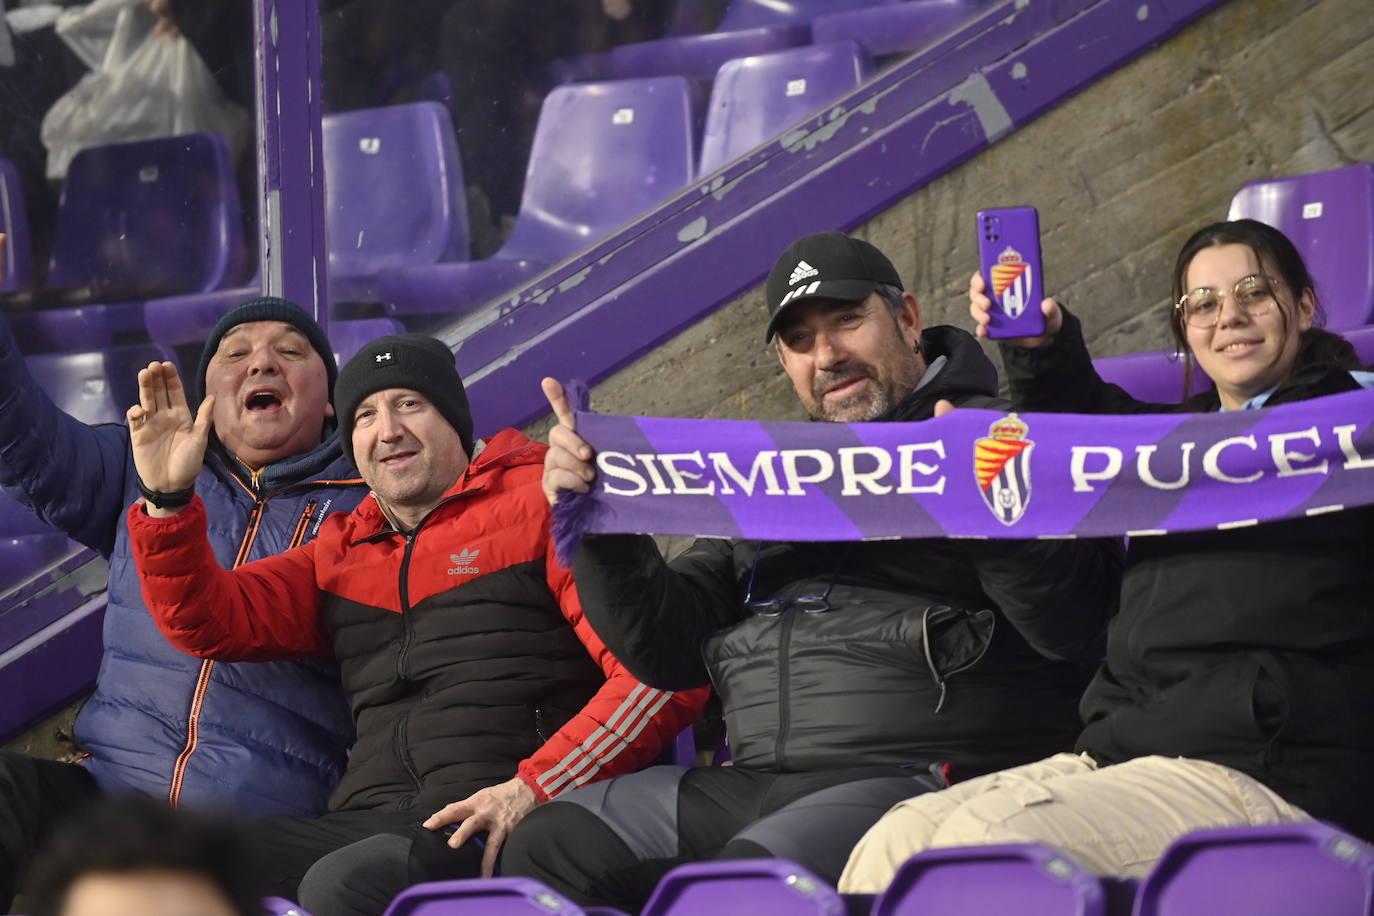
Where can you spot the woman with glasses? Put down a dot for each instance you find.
(1240, 668)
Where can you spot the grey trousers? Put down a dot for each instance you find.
(608, 844)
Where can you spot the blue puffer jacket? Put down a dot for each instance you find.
(260, 738)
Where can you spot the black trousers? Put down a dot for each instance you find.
(352, 863)
(35, 794)
(608, 844)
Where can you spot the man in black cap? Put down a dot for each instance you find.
(257, 738)
(852, 675)
(478, 689)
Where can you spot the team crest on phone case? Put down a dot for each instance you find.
(1011, 282)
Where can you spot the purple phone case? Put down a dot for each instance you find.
(1009, 257)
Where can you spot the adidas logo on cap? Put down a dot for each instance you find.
(801, 272)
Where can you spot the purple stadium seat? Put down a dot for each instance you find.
(94, 387)
(599, 66)
(743, 887)
(26, 544)
(907, 26)
(350, 336)
(176, 320)
(1261, 871)
(1027, 879)
(136, 220)
(1363, 341)
(748, 27)
(1330, 217)
(755, 98)
(1155, 377)
(22, 555)
(582, 68)
(14, 222)
(482, 897)
(277, 906)
(76, 328)
(156, 217)
(394, 198)
(435, 88)
(394, 194)
(603, 154)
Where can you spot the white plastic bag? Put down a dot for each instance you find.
(90, 30)
(145, 86)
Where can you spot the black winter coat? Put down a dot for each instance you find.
(934, 650)
(1253, 647)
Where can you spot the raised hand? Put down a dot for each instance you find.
(168, 443)
(568, 462)
(495, 809)
(980, 309)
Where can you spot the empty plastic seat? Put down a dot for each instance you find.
(603, 153)
(96, 387)
(1330, 218)
(22, 555)
(137, 220)
(394, 194)
(892, 29)
(157, 217)
(1154, 377)
(482, 897)
(748, 27)
(1362, 339)
(1027, 879)
(1261, 871)
(26, 544)
(17, 263)
(350, 336)
(599, 66)
(176, 320)
(394, 198)
(743, 887)
(755, 98)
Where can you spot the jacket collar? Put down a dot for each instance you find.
(967, 370)
(1307, 383)
(324, 461)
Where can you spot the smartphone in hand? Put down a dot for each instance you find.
(1009, 257)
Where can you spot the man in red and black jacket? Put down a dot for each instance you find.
(477, 686)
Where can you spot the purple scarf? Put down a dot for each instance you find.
(973, 474)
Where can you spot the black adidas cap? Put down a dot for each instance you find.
(827, 265)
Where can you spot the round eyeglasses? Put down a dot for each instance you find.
(1201, 308)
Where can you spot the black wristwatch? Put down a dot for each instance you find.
(172, 499)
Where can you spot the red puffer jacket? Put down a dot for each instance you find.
(463, 646)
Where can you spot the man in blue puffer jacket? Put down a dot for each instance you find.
(260, 738)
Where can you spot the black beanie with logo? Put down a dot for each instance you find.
(412, 361)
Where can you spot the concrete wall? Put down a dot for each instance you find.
(1121, 174)
(50, 738)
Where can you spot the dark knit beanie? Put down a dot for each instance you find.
(411, 361)
(268, 308)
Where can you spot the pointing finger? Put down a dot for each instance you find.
(558, 401)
